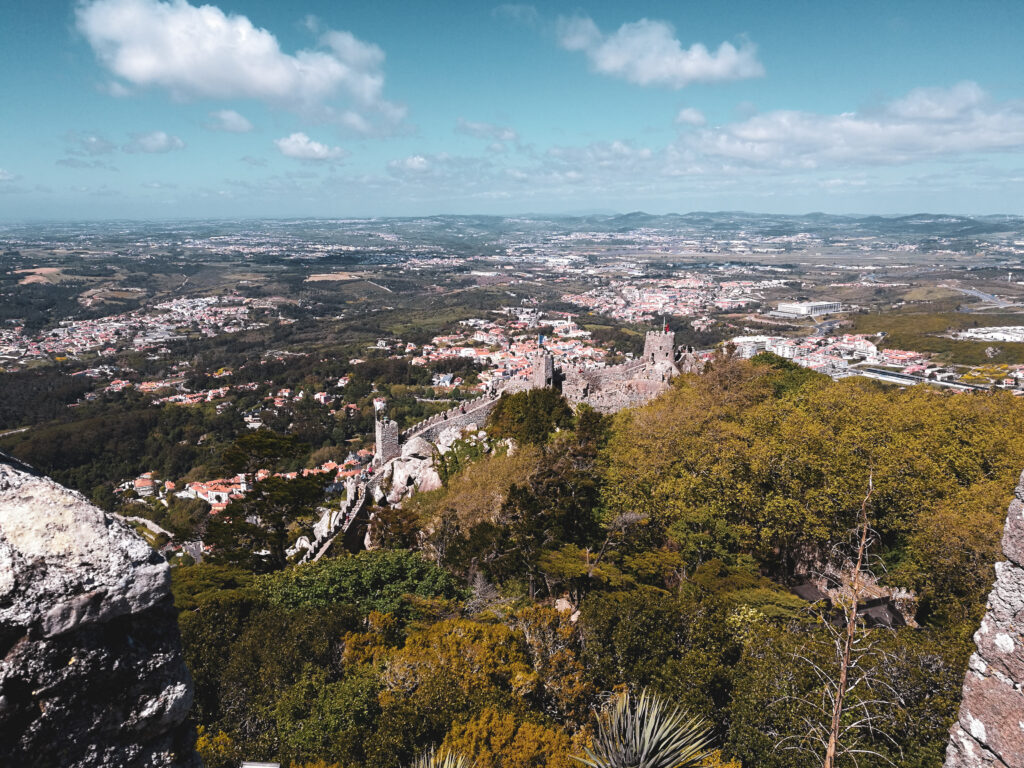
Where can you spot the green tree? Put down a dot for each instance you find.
(261, 449)
(256, 529)
(530, 416)
(378, 580)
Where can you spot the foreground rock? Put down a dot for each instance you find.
(91, 670)
(990, 728)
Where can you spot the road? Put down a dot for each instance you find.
(986, 297)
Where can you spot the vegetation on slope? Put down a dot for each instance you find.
(668, 535)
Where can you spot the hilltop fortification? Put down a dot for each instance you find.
(627, 385)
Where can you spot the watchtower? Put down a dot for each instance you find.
(386, 434)
(543, 374)
(659, 347)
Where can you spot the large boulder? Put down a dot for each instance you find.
(91, 668)
(989, 732)
(417, 447)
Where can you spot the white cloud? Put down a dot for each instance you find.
(6, 175)
(156, 142)
(488, 131)
(229, 121)
(521, 13)
(416, 164)
(647, 52)
(88, 144)
(205, 53)
(939, 103)
(926, 123)
(690, 116)
(301, 147)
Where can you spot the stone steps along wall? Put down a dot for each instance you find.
(335, 522)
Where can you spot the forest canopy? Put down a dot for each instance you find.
(653, 550)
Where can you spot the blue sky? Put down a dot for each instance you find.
(170, 109)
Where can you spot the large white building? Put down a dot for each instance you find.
(808, 308)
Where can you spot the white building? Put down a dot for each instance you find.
(808, 308)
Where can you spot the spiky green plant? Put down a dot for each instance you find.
(646, 731)
(432, 759)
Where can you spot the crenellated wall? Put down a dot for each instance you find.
(469, 412)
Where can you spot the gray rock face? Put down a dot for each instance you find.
(91, 669)
(990, 729)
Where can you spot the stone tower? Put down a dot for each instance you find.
(386, 434)
(543, 370)
(659, 347)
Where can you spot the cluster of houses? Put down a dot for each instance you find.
(688, 296)
(830, 354)
(849, 354)
(139, 330)
(220, 492)
(505, 348)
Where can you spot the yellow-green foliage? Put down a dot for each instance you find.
(502, 740)
(218, 750)
(730, 470)
(476, 494)
(462, 659)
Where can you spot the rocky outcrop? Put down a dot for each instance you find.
(989, 731)
(91, 669)
(412, 471)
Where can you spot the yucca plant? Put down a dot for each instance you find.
(431, 759)
(646, 731)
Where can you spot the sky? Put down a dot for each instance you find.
(169, 109)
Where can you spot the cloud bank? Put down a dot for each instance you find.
(924, 139)
(205, 53)
(925, 123)
(647, 52)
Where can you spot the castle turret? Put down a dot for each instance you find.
(659, 347)
(387, 439)
(543, 374)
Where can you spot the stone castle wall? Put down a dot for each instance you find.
(469, 412)
(989, 732)
(627, 385)
(543, 374)
(659, 347)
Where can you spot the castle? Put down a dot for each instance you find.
(607, 390)
(630, 384)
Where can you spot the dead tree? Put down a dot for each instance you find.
(853, 699)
